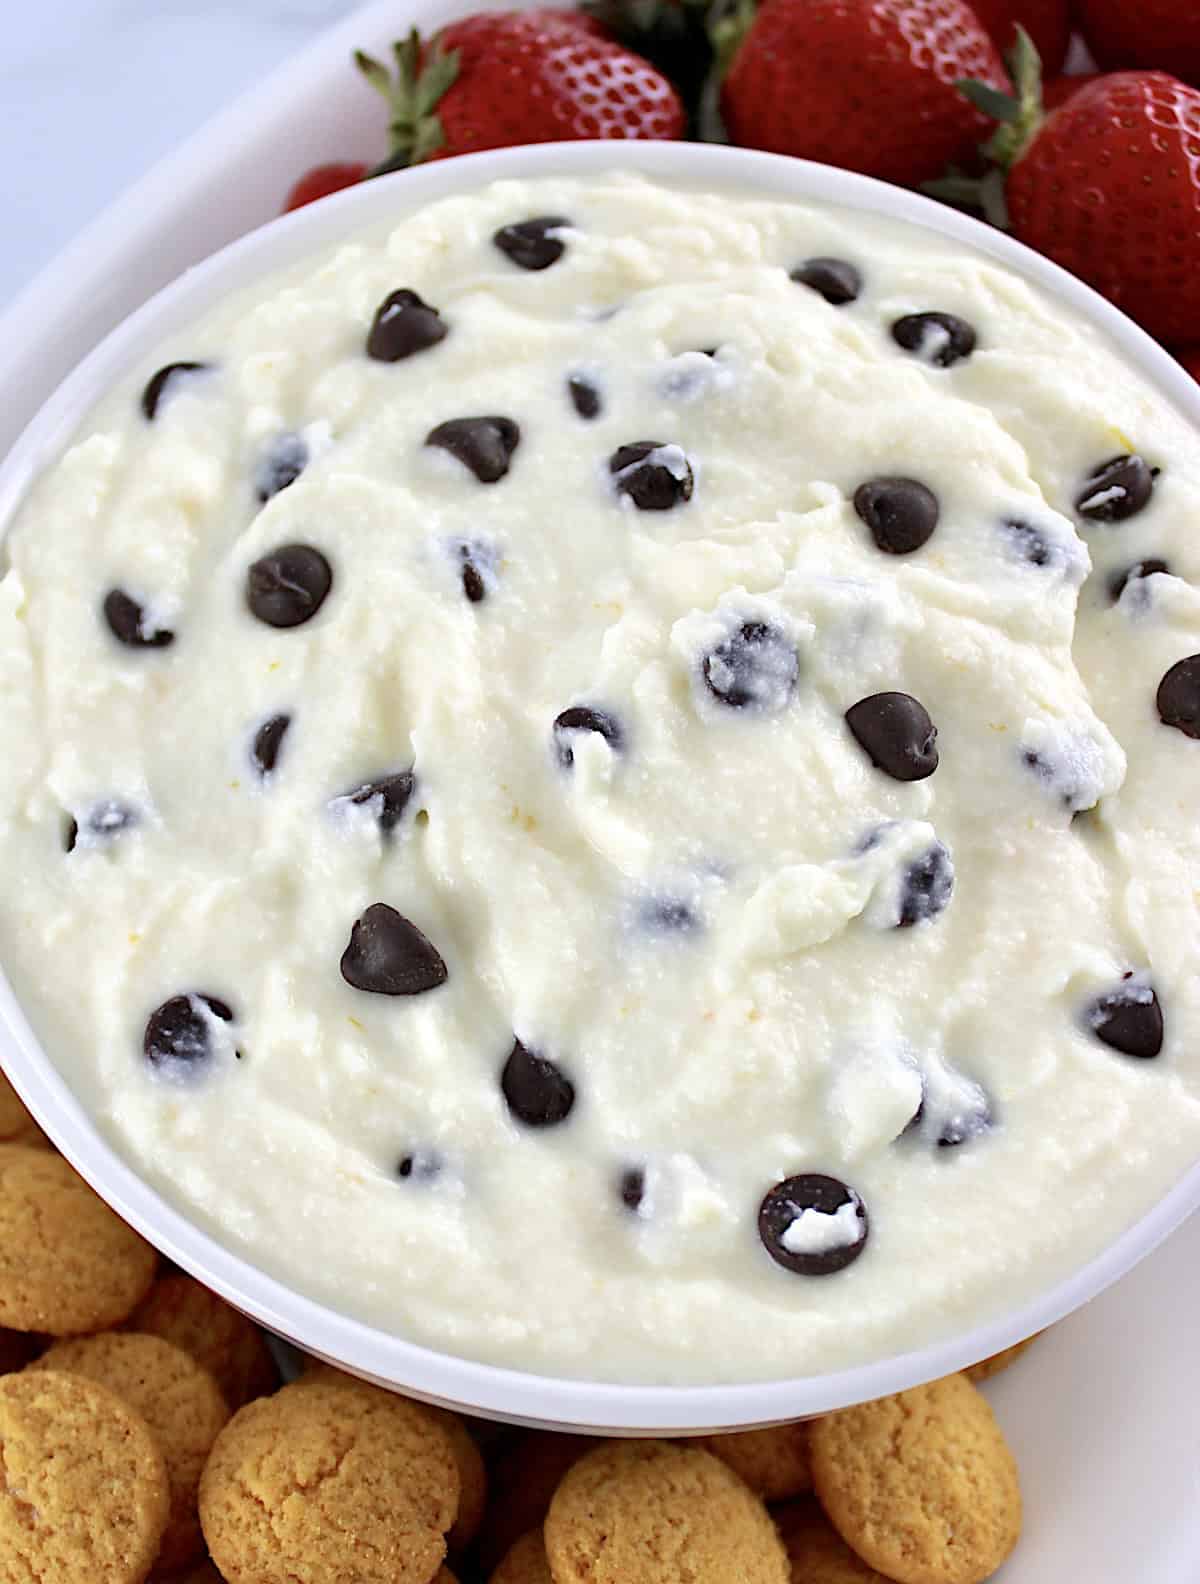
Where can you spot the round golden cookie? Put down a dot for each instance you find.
(525, 1563)
(16, 1125)
(83, 1496)
(775, 1463)
(67, 1262)
(331, 1487)
(921, 1485)
(988, 1367)
(523, 1479)
(177, 1399)
(472, 1474)
(817, 1554)
(650, 1512)
(220, 1338)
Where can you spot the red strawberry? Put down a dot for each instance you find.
(1107, 185)
(1189, 356)
(1057, 90)
(1047, 22)
(1161, 33)
(864, 84)
(320, 182)
(507, 77)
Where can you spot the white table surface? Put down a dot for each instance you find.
(95, 91)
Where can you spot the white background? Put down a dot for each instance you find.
(93, 92)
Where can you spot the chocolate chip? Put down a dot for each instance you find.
(1116, 489)
(402, 326)
(388, 955)
(580, 718)
(485, 445)
(280, 465)
(180, 1030)
(268, 740)
(965, 1116)
(897, 735)
(783, 1207)
(927, 887)
(668, 916)
(1030, 543)
(156, 386)
(837, 280)
(900, 512)
(536, 1090)
(631, 1186)
(473, 585)
(585, 397)
(939, 338)
(393, 792)
(1128, 1019)
(1140, 569)
(129, 624)
(419, 1165)
(287, 587)
(529, 244)
(103, 821)
(1178, 696)
(654, 475)
(755, 667)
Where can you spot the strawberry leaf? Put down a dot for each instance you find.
(413, 93)
(992, 101)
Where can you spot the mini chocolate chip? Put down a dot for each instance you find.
(128, 623)
(653, 480)
(288, 586)
(179, 1030)
(631, 1186)
(536, 1090)
(969, 1119)
(156, 386)
(942, 339)
(1030, 543)
(280, 465)
(528, 243)
(1178, 696)
(420, 1165)
(485, 445)
(900, 512)
(388, 955)
(393, 792)
(837, 280)
(897, 735)
(1140, 569)
(585, 398)
(1128, 1019)
(927, 887)
(70, 833)
(403, 325)
(1116, 489)
(473, 585)
(104, 820)
(268, 740)
(580, 718)
(754, 667)
(668, 915)
(786, 1203)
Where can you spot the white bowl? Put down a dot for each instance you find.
(389, 1360)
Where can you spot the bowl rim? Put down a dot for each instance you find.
(490, 1390)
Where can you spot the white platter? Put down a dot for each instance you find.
(1105, 1413)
